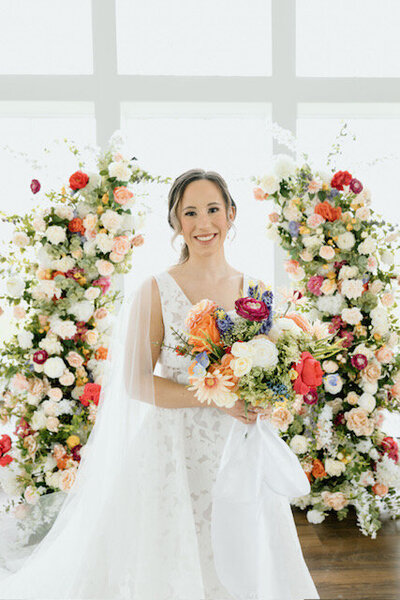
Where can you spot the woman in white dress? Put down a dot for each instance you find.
(137, 524)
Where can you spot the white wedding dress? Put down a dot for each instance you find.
(157, 532)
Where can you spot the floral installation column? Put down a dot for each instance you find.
(341, 262)
(58, 272)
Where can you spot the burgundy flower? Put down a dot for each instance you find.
(359, 361)
(314, 284)
(356, 186)
(311, 397)
(35, 186)
(40, 357)
(81, 329)
(339, 264)
(349, 338)
(23, 428)
(76, 452)
(251, 309)
(74, 273)
(339, 419)
(336, 324)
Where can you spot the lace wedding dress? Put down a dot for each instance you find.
(146, 531)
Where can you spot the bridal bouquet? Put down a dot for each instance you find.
(268, 359)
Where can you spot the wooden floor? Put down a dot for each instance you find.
(347, 565)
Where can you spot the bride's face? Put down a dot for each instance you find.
(202, 212)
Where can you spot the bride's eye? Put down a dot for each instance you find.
(191, 212)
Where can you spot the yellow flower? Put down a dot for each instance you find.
(331, 275)
(304, 230)
(349, 227)
(293, 374)
(377, 336)
(325, 186)
(72, 441)
(100, 210)
(105, 198)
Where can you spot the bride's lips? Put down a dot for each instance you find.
(208, 241)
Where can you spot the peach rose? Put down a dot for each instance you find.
(198, 311)
(358, 421)
(372, 372)
(314, 186)
(74, 359)
(58, 451)
(52, 424)
(281, 418)
(384, 355)
(291, 266)
(90, 221)
(380, 489)
(326, 252)
(116, 258)
(273, 217)
(328, 287)
(20, 382)
(55, 394)
(104, 267)
(121, 244)
(335, 500)
(36, 387)
(306, 255)
(259, 194)
(138, 240)
(91, 336)
(19, 312)
(122, 195)
(67, 378)
(100, 313)
(67, 479)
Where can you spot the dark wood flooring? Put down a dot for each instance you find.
(347, 565)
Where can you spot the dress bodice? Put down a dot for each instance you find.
(175, 307)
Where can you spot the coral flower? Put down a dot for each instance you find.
(327, 211)
(214, 387)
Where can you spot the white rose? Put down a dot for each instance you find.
(82, 310)
(15, 286)
(241, 366)
(334, 468)
(55, 234)
(299, 444)
(346, 240)
(65, 329)
(92, 293)
(242, 350)
(39, 224)
(111, 220)
(291, 213)
(25, 339)
(265, 353)
(51, 344)
(315, 516)
(63, 264)
(347, 272)
(120, 170)
(64, 212)
(368, 246)
(31, 494)
(104, 242)
(368, 387)
(20, 239)
(54, 367)
(387, 257)
(38, 420)
(330, 366)
(353, 316)
(367, 402)
(270, 184)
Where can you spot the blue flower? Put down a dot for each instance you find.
(267, 297)
(224, 322)
(294, 227)
(202, 359)
(199, 371)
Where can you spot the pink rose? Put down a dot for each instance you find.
(104, 267)
(314, 284)
(100, 313)
(74, 359)
(384, 355)
(122, 195)
(315, 220)
(314, 186)
(281, 418)
(104, 283)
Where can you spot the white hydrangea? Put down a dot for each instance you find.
(333, 467)
(353, 315)
(63, 264)
(44, 258)
(94, 181)
(330, 304)
(120, 169)
(346, 240)
(299, 444)
(348, 272)
(368, 246)
(352, 288)
(284, 166)
(364, 446)
(387, 472)
(25, 339)
(15, 286)
(83, 209)
(82, 310)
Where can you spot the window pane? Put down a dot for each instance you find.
(46, 37)
(186, 37)
(348, 38)
(231, 140)
(30, 127)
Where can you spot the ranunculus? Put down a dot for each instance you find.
(327, 252)
(357, 420)
(89, 222)
(299, 444)
(359, 361)
(251, 309)
(35, 186)
(281, 418)
(122, 195)
(52, 424)
(67, 378)
(241, 366)
(91, 337)
(76, 226)
(74, 359)
(335, 500)
(309, 373)
(387, 299)
(356, 186)
(353, 315)
(55, 394)
(367, 402)
(340, 179)
(40, 357)
(91, 393)
(78, 180)
(327, 211)
(333, 467)
(104, 267)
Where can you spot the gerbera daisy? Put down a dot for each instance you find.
(214, 387)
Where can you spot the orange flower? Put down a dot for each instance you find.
(318, 469)
(380, 489)
(198, 311)
(76, 226)
(327, 211)
(101, 353)
(300, 321)
(224, 367)
(205, 327)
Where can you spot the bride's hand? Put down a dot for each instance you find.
(238, 412)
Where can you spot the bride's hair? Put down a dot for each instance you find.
(175, 196)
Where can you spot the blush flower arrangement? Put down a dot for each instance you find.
(269, 359)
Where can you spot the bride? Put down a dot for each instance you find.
(140, 522)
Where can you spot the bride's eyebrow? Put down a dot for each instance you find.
(209, 204)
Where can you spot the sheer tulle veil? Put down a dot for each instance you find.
(88, 552)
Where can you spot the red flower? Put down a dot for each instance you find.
(5, 443)
(340, 179)
(76, 226)
(309, 373)
(327, 211)
(78, 180)
(390, 446)
(251, 309)
(91, 393)
(35, 186)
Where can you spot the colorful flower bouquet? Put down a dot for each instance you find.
(271, 361)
